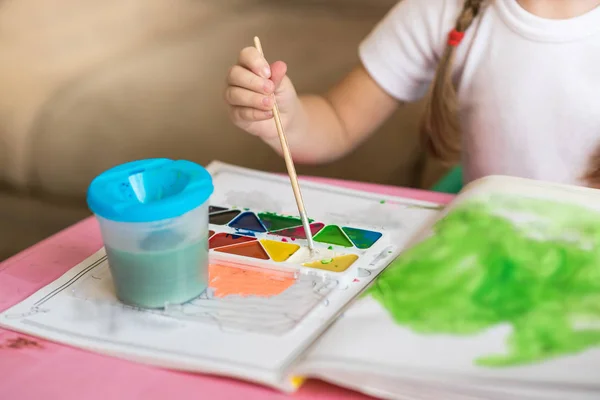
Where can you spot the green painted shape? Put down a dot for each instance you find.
(480, 269)
(332, 234)
(276, 222)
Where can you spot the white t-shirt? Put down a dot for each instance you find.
(528, 87)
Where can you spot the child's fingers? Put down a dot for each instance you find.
(237, 96)
(251, 59)
(250, 114)
(278, 71)
(240, 76)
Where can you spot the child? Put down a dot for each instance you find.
(515, 89)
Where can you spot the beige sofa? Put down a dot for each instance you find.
(89, 84)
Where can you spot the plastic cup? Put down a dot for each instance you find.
(153, 216)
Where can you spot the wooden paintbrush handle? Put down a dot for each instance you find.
(287, 155)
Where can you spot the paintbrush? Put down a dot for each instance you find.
(289, 163)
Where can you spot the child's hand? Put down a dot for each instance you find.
(249, 94)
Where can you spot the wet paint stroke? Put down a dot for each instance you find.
(530, 263)
(232, 281)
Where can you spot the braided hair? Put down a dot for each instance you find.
(440, 127)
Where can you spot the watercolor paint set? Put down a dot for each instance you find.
(275, 241)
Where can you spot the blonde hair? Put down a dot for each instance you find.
(440, 127)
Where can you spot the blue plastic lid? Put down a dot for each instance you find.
(149, 190)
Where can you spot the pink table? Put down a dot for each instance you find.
(52, 371)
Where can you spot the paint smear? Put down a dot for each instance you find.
(232, 281)
(362, 238)
(248, 221)
(297, 381)
(529, 263)
(298, 232)
(210, 233)
(223, 218)
(279, 251)
(276, 222)
(335, 264)
(332, 234)
(249, 249)
(227, 239)
(304, 255)
(20, 343)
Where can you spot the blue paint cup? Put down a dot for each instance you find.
(153, 215)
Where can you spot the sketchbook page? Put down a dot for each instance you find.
(528, 188)
(500, 295)
(251, 324)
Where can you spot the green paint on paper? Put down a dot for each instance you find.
(531, 264)
(329, 247)
(332, 234)
(382, 202)
(327, 261)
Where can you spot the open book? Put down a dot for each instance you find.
(496, 296)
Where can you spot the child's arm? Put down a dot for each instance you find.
(331, 125)
(318, 128)
(400, 55)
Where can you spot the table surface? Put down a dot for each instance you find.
(46, 370)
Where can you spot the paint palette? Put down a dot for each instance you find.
(278, 241)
